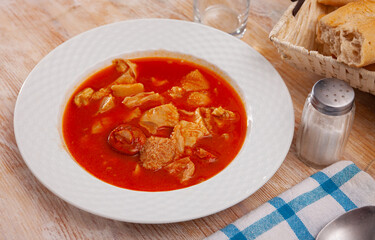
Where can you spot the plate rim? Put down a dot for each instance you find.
(225, 206)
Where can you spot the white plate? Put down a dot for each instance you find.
(37, 120)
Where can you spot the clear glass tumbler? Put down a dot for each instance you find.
(227, 15)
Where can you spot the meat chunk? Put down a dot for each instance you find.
(219, 117)
(120, 65)
(101, 93)
(164, 115)
(183, 169)
(124, 90)
(179, 139)
(205, 156)
(124, 65)
(140, 99)
(205, 114)
(157, 152)
(83, 97)
(195, 81)
(125, 78)
(107, 104)
(129, 74)
(192, 132)
(198, 119)
(187, 133)
(198, 99)
(223, 114)
(222, 117)
(133, 68)
(176, 92)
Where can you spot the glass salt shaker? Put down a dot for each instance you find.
(326, 122)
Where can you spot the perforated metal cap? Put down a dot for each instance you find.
(332, 96)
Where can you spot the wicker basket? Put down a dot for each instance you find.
(313, 61)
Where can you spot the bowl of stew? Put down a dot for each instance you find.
(157, 122)
(153, 121)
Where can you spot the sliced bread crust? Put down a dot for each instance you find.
(349, 33)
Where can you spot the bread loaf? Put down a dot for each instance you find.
(349, 33)
(336, 3)
(301, 29)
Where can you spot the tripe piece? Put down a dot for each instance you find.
(183, 169)
(124, 65)
(107, 104)
(164, 115)
(198, 99)
(139, 99)
(187, 134)
(157, 152)
(83, 97)
(124, 90)
(194, 81)
(176, 92)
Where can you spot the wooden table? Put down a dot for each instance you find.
(29, 29)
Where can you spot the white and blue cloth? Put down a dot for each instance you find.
(302, 211)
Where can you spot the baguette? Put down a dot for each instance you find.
(349, 33)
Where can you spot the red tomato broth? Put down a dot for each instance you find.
(96, 156)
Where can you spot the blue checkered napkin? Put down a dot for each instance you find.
(302, 211)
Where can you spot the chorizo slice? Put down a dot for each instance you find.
(127, 139)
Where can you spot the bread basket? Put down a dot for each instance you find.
(299, 55)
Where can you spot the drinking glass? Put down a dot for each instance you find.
(227, 15)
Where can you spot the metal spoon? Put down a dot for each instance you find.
(358, 224)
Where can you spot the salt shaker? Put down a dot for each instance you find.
(326, 122)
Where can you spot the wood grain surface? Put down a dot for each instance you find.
(29, 29)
